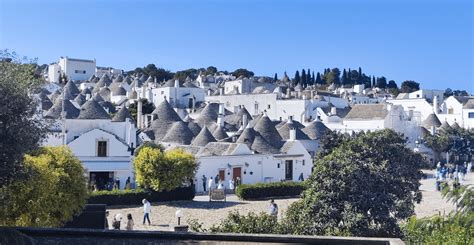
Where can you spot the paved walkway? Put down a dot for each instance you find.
(209, 213)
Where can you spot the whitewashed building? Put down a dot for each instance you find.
(73, 69)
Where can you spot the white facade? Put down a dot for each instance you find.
(181, 97)
(83, 137)
(452, 110)
(74, 69)
(255, 168)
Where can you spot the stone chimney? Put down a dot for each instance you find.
(333, 110)
(292, 134)
(176, 83)
(221, 91)
(435, 104)
(139, 113)
(88, 96)
(221, 109)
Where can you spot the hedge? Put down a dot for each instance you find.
(267, 190)
(135, 197)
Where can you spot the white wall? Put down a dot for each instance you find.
(177, 96)
(77, 69)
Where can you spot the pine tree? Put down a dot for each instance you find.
(318, 79)
(297, 78)
(308, 78)
(303, 78)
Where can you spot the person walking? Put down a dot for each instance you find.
(129, 225)
(146, 211)
(216, 179)
(231, 185)
(210, 183)
(204, 182)
(273, 208)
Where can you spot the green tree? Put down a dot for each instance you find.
(54, 191)
(392, 84)
(409, 86)
(381, 82)
(147, 108)
(20, 131)
(304, 78)
(211, 70)
(364, 187)
(297, 78)
(318, 79)
(333, 76)
(163, 171)
(275, 78)
(243, 72)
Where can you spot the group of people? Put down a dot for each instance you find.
(129, 226)
(110, 185)
(218, 183)
(456, 173)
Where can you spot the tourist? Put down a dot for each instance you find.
(469, 167)
(116, 222)
(128, 184)
(273, 209)
(129, 226)
(231, 184)
(301, 178)
(106, 220)
(210, 184)
(216, 180)
(146, 211)
(237, 181)
(204, 180)
(220, 186)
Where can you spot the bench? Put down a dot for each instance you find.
(217, 195)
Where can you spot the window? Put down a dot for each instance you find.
(162, 92)
(450, 111)
(470, 115)
(102, 149)
(303, 162)
(80, 71)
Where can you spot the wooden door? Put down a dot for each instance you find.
(222, 175)
(237, 172)
(289, 169)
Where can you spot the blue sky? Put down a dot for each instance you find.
(430, 42)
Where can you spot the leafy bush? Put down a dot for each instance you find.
(52, 194)
(159, 171)
(453, 229)
(267, 190)
(132, 197)
(237, 223)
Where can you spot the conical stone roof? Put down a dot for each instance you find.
(267, 130)
(208, 115)
(70, 91)
(203, 138)
(284, 131)
(80, 99)
(92, 110)
(430, 121)
(247, 136)
(104, 81)
(166, 113)
(455, 125)
(105, 93)
(315, 130)
(219, 133)
(194, 127)
(122, 114)
(55, 111)
(260, 145)
(98, 98)
(179, 133)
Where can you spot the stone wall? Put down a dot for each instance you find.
(41, 236)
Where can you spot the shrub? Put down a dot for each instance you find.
(52, 194)
(135, 197)
(267, 190)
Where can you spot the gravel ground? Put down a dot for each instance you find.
(163, 213)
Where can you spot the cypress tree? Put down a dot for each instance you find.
(349, 75)
(275, 78)
(308, 78)
(303, 78)
(312, 78)
(297, 78)
(373, 81)
(344, 77)
(318, 79)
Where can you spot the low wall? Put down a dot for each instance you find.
(41, 236)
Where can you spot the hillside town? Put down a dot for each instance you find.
(243, 130)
